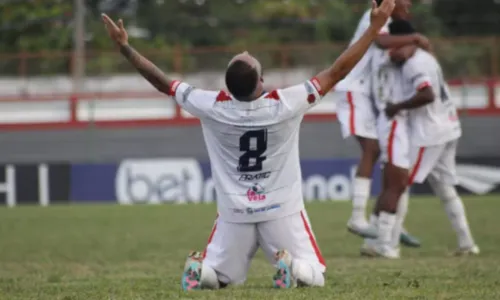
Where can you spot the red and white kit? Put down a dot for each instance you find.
(254, 153)
(393, 133)
(435, 128)
(355, 108)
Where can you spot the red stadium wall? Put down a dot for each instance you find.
(73, 118)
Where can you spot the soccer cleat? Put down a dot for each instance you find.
(192, 272)
(408, 240)
(362, 229)
(367, 248)
(283, 278)
(375, 250)
(474, 250)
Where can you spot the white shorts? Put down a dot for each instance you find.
(438, 161)
(394, 141)
(232, 246)
(357, 116)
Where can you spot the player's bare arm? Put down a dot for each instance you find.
(146, 68)
(387, 41)
(350, 57)
(423, 97)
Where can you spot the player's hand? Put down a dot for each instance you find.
(423, 42)
(116, 32)
(391, 110)
(380, 14)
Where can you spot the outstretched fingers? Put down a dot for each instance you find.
(108, 22)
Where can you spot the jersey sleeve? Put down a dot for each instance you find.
(195, 101)
(414, 70)
(301, 97)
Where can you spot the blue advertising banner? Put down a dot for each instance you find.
(93, 182)
(186, 180)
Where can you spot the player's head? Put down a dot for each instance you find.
(402, 9)
(401, 27)
(244, 77)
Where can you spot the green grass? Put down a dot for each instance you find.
(123, 252)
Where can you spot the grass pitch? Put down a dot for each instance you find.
(117, 252)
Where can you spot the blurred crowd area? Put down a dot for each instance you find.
(184, 36)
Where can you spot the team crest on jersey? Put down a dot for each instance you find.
(256, 193)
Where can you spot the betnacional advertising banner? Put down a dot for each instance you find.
(188, 180)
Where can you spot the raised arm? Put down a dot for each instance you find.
(146, 68)
(350, 57)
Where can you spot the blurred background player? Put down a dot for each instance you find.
(252, 141)
(393, 138)
(357, 117)
(434, 133)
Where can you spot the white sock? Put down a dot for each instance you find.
(400, 218)
(386, 222)
(306, 274)
(373, 223)
(455, 210)
(361, 194)
(209, 279)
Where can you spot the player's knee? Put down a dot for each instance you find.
(445, 192)
(370, 148)
(209, 279)
(308, 274)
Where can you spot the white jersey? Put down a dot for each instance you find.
(253, 148)
(358, 80)
(386, 80)
(436, 123)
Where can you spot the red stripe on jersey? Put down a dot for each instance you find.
(214, 228)
(417, 165)
(352, 116)
(223, 96)
(423, 85)
(273, 95)
(390, 145)
(314, 244)
(173, 87)
(317, 85)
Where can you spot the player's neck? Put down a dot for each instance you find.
(255, 96)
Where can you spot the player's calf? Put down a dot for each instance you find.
(294, 272)
(357, 223)
(395, 183)
(455, 210)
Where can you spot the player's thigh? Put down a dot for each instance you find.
(356, 115)
(230, 249)
(446, 167)
(294, 234)
(394, 142)
(424, 161)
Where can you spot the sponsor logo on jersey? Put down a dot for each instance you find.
(251, 211)
(256, 193)
(478, 179)
(254, 177)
